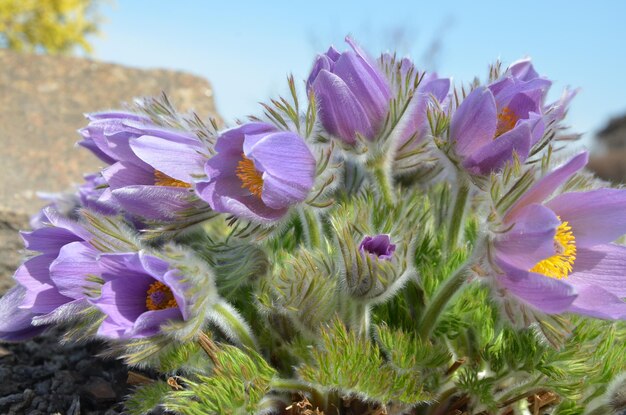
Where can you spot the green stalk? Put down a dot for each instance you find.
(455, 226)
(312, 227)
(233, 320)
(384, 184)
(437, 304)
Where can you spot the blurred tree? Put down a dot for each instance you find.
(48, 26)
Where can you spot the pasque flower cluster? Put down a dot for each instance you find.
(146, 248)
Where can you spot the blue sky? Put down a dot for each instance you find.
(246, 48)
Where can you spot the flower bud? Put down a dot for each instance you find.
(352, 93)
(373, 271)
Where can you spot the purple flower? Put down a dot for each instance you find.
(558, 254)
(152, 168)
(495, 121)
(15, 322)
(352, 93)
(379, 246)
(258, 172)
(53, 278)
(95, 195)
(431, 89)
(140, 293)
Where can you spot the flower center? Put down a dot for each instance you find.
(250, 178)
(506, 121)
(162, 179)
(559, 265)
(160, 297)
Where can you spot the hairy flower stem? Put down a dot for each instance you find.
(319, 399)
(455, 226)
(233, 322)
(312, 227)
(440, 299)
(357, 317)
(383, 181)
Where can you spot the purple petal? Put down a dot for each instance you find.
(180, 286)
(603, 265)
(121, 265)
(48, 240)
(123, 300)
(321, 62)
(222, 199)
(123, 174)
(288, 168)
(545, 186)
(123, 115)
(148, 323)
(16, 323)
(595, 301)
(531, 239)
(523, 70)
(596, 217)
(339, 109)
(438, 88)
(112, 330)
(535, 89)
(113, 138)
(88, 143)
(69, 271)
(231, 141)
(521, 105)
(34, 274)
(493, 156)
(158, 203)
(379, 246)
(177, 160)
(474, 123)
(544, 293)
(366, 83)
(154, 266)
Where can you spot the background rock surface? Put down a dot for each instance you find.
(42, 102)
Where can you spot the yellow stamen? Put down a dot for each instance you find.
(162, 179)
(559, 265)
(506, 121)
(251, 179)
(160, 297)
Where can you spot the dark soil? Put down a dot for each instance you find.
(42, 376)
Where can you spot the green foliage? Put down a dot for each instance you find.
(146, 397)
(237, 385)
(51, 26)
(353, 365)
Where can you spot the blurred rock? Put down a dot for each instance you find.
(610, 162)
(43, 99)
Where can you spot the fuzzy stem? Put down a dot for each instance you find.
(382, 179)
(458, 213)
(294, 385)
(437, 304)
(234, 323)
(312, 227)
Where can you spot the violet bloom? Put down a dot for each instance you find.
(95, 195)
(558, 255)
(378, 246)
(258, 172)
(431, 91)
(15, 322)
(52, 279)
(352, 93)
(140, 293)
(152, 168)
(495, 121)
